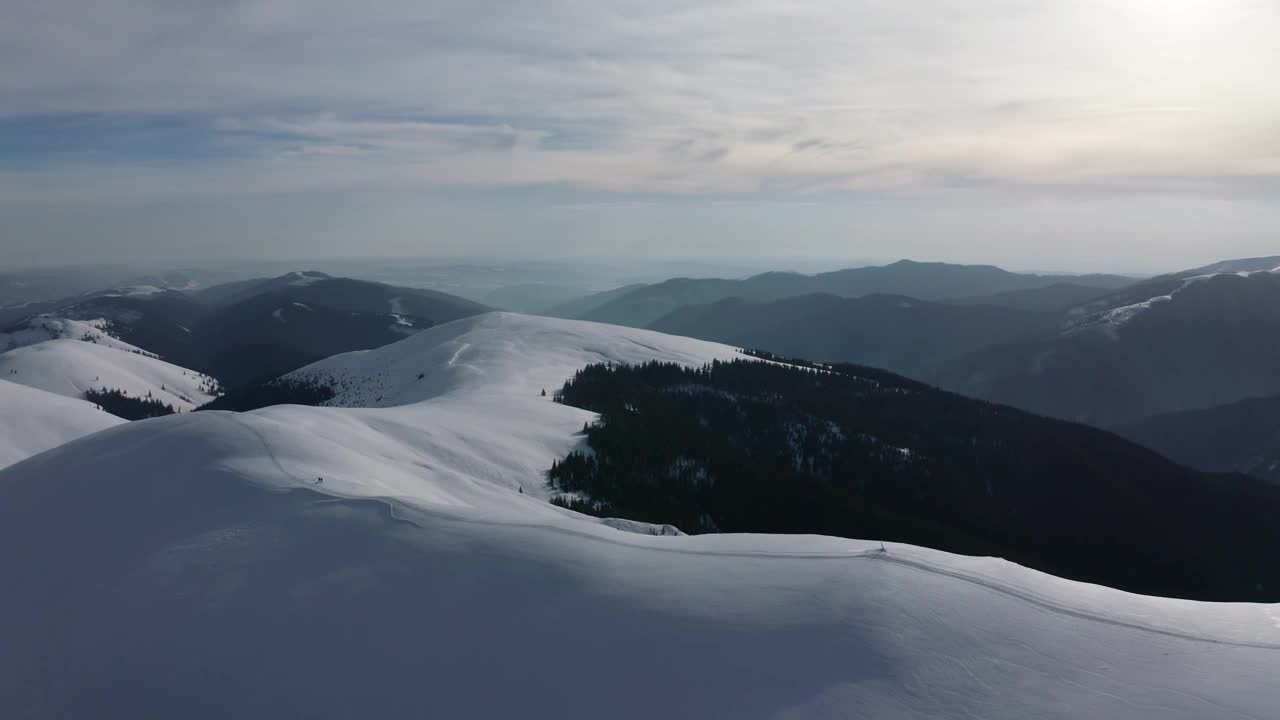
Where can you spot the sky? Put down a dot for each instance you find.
(1138, 135)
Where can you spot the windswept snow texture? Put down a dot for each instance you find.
(32, 421)
(70, 367)
(193, 566)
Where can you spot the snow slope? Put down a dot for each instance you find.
(461, 405)
(32, 421)
(496, 353)
(46, 327)
(70, 367)
(417, 581)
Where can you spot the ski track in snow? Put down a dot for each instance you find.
(266, 446)
(458, 353)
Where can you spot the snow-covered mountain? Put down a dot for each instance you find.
(426, 576)
(1111, 312)
(96, 361)
(251, 330)
(32, 421)
(459, 409)
(43, 328)
(496, 353)
(1180, 342)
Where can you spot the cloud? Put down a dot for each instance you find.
(669, 96)
(799, 108)
(413, 136)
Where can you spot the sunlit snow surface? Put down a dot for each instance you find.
(191, 566)
(69, 367)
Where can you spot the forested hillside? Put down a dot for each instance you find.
(747, 446)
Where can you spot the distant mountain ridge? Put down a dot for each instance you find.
(909, 336)
(644, 305)
(1242, 436)
(1113, 352)
(1056, 298)
(1179, 342)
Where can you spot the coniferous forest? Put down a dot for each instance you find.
(119, 404)
(749, 446)
(278, 391)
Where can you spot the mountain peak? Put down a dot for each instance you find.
(304, 277)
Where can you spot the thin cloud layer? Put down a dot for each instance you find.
(782, 98)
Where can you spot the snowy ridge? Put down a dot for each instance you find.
(1244, 266)
(418, 579)
(47, 327)
(138, 291)
(495, 353)
(1112, 319)
(463, 403)
(32, 421)
(71, 367)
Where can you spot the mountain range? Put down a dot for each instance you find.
(1114, 351)
(914, 337)
(1243, 436)
(394, 553)
(640, 306)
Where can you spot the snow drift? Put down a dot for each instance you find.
(193, 566)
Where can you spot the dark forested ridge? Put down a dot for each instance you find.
(278, 391)
(843, 450)
(894, 332)
(1242, 437)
